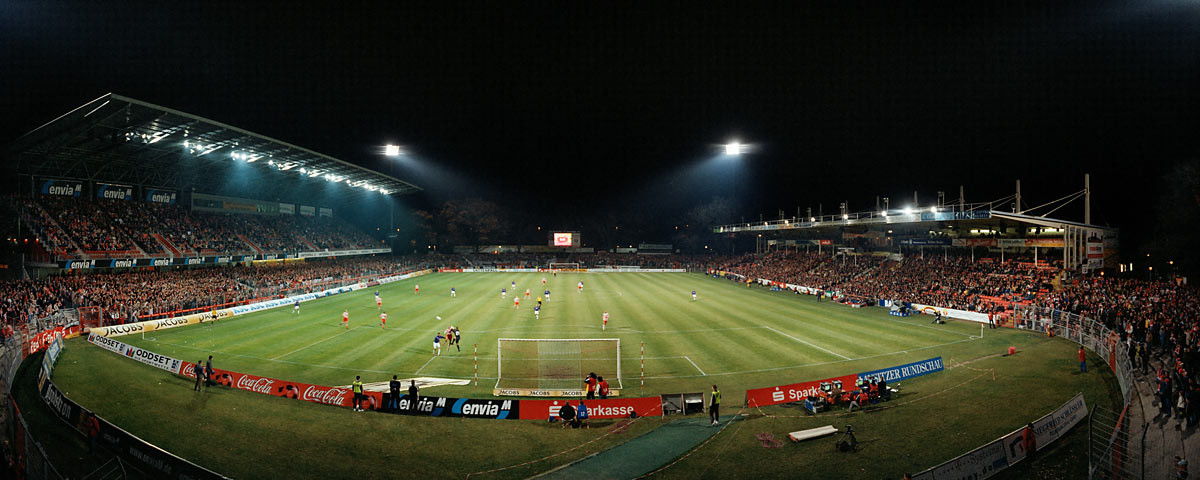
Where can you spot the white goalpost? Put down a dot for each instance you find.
(555, 367)
(564, 266)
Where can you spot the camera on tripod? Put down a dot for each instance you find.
(847, 443)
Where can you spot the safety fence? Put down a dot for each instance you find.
(1110, 454)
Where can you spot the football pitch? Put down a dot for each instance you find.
(735, 336)
(728, 332)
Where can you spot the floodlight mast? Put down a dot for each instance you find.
(734, 148)
(391, 150)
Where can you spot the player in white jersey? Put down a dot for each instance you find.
(581, 286)
(604, 318)
(516, 302)
(527, 294)
(383, 320)
(346, 318)
(416, 288)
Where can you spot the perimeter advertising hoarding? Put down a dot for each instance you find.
(761, 397)
(161, 195)
(61, 188)
(597, 409)
(995, 456)
(796, 392)
(145, 356)
(112, 191)
(459, 407)
(217, 259)
(160, 463)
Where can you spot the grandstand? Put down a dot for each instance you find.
(119, 182)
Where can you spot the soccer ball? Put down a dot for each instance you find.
(439, 318)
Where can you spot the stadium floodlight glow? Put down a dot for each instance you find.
(845, 216)
(812, 219)
(908, 210)
(734, 148)
(933, 209)
(391, 150)
(883, 213)
(385, 192)
(303, 170)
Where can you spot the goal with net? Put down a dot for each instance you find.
(565, 266)
(555, 367)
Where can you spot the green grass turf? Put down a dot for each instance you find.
(734, 336)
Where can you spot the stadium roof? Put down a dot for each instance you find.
(969, 214)
(122, 140)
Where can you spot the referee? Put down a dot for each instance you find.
(714, 406)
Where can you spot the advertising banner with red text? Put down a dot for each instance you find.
(796, 392)
(597, 409)
(336, 396)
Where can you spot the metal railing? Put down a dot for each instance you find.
(1109, 448)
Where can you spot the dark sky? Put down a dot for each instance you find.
(552, 108)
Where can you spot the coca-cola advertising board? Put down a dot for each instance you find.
(336, 396)
(796, 392)
(599, 409)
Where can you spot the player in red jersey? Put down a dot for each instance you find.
(346, 318)
(383, 320)
(517, 303)
(605, 319)
(416, 288)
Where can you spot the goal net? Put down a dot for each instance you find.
(555, 366)
(91, 317)
(564, 266)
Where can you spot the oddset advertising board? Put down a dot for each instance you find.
(796, 392)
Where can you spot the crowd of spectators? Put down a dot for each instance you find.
(132, 295)
(951, 282)
(128, 228)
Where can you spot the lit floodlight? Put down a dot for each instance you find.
(908, 210)
(734, 148)
(845, 216)
(303, 170)
(933, 209)
(391, 150)
(812, 219)
(883, 213)
(383, 191)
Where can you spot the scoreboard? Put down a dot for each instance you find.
(565, 239)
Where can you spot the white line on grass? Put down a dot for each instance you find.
(314, 343)
(931, 328)
(694, 365)
(806, 343)
(426, 364)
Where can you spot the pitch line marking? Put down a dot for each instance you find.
(694, 365)
(806, 343)
(426, 364)
(314, 343)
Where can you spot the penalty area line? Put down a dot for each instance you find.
(694, 365)
(427, 362)
(806, 343)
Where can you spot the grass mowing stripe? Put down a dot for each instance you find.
(312, 344)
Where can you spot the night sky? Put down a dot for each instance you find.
(567, 109)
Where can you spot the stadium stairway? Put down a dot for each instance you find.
(166, 244)
(643, 454)
(247, 241)
(1166, 437)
